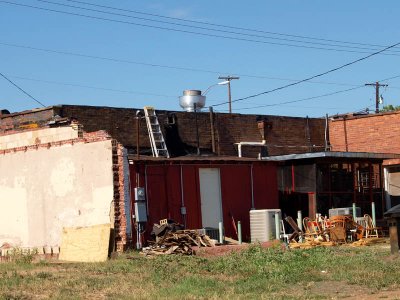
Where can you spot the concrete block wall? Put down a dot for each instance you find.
(378, 133)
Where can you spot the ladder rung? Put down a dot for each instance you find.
(158, 145)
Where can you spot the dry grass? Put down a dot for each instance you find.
(318, 273)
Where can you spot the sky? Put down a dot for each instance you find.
(130, 53)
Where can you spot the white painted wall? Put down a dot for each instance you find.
(33, 137)
(44, 190)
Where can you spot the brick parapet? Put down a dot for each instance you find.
(119, 197)
(285, 135)
(374, 133)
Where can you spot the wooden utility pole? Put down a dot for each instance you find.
(229, 78)
(377, 86)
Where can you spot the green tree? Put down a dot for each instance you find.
(390, 107)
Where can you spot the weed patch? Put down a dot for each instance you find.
(253, 273)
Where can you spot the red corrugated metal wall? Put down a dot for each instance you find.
(164, 193)
(265, 185)
(236, 198)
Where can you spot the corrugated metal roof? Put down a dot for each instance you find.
(193, 158)
(394, 212)
(333, 154)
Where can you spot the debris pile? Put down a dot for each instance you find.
(368, 241)
(178, 242)
(171, 238)
(310, 244)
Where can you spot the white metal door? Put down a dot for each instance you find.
(210, 195)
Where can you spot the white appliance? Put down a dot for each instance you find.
(341, 211)
(262, 224)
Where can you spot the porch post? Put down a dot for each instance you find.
(312, 205)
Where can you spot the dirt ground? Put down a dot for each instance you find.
(342, 290)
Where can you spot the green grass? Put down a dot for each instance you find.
(254, 273)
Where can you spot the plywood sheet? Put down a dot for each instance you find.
(85, 244)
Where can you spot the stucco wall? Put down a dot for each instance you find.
(44, 190)
(34, 137)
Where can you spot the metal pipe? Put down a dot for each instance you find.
(183, 199)
(300, 222)
(212, 129)
(138, 241)
(229, 96)
(221, 233)
(145, 185)
(277, 227)
(240, 144)
(137, 137)
(300, 219)
(354, 212)
(386, 181)
(373, 213)
(308, 134)
(239, 232)
(252, 187)
(197, 129)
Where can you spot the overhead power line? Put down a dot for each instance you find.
(204, 28)
(314, 97)
(91, 87)
(301, 100)
(179, 68)
(182, 30)
(22, 90)
(225, 26)
(312, 77)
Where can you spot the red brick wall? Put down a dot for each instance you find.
(374, 133)
(119, 197)
(286, 134)
(26, 120)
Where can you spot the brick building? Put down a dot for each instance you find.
(283, 135)
(376, 133)
(366, 133)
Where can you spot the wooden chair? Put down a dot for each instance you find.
(370, 229)
(297, 232)
(313, 229)
(340, 228)
(283, 235)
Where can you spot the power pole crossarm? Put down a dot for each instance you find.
(229, 78)
(377, 85)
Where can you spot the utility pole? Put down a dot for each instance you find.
(377, 85)
(229, 78)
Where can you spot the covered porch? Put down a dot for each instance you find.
(316, 182)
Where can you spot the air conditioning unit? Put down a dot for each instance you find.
(262, 224)
(213, 233)
(341, 211)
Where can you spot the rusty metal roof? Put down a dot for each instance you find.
(202, 158)
(333, 154)
(394, 212)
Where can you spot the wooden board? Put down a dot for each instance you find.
(85, 244)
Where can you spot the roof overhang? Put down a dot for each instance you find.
(333, 154)
(194, 158)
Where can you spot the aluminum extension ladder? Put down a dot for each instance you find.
(158, 146)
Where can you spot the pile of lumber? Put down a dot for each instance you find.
(178, 242)
(315, 243)
(368, 241)
(310, 244)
